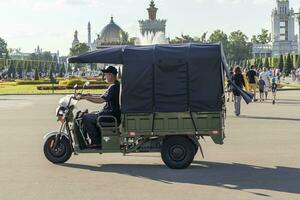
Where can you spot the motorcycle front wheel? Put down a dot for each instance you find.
(59, 154)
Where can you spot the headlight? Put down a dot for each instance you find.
(60, 111)
(61, 118)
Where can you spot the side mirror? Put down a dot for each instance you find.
(86, 83)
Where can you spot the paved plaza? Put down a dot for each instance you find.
(259, 160)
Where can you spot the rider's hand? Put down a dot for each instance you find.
(78, 97)
(87, 95)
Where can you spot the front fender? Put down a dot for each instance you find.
(52, 133)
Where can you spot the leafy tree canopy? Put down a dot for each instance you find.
(3, 48)
(78, 49)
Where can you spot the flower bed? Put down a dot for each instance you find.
(59, 87)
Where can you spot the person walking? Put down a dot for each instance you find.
(262, 88)
(238, 79)
(274, 89)
(229, 86)
(264, 75)
(251, 75)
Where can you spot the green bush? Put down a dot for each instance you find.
(97, 82)
(71, 83)
(32, 82)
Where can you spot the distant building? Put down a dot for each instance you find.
(18, 55)
(111, 34)
(152, 25)
(284, 39)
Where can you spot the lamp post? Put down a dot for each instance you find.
(298, 18)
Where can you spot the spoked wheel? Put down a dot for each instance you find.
(59, 154)
(177, 152)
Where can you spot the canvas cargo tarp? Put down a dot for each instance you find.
(166, 78)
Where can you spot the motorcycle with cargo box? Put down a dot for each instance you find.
(170, 96)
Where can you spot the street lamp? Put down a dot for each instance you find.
(298, 17)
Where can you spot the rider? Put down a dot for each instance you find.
(111, 108)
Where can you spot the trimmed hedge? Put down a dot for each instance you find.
(71, 87)
(79, 82)
(33, 82)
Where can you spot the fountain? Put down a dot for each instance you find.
(150, 38)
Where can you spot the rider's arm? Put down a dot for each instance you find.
(94, 99)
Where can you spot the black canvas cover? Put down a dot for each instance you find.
(107, 55)
(167, 78)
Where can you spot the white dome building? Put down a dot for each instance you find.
(111, 33)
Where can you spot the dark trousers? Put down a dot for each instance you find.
(90, 124)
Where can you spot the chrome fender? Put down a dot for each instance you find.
(52, 133)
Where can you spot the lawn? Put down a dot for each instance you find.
(13, 88)
(291, 86)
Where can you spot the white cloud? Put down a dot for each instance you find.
(61, 4)
(78, 2)
(229, 1)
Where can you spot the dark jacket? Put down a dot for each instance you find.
(238, 79)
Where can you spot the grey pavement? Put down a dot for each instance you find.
(259, 160)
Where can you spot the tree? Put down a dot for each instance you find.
(51, 77)
(220, 36)
(260, 63)
(203, 37)
(69, 69)
(254, 39)
(19, 70)
(62, 71)
(298, 62)
(124, 37)
(55, 59)
(36, 74)
(46, 55)
(3, 48)
(79, 48)
(57, 68)
(280, 64)
(182, 39)
(239, 48)
(11, 70)
(288, 66)
(264, 37)
(267, 63)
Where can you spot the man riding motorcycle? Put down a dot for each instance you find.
(111, 108)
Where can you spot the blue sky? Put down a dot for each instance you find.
(51, 23)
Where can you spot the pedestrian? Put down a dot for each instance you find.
(274, 89)
(266, 78)
(261, 87)
(238, 79)
(252, 75)
(229, 86)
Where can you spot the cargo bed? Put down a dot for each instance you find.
(201, 124)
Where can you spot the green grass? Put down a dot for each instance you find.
(13, 88)
(292, 86)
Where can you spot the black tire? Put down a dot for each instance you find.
(177, 152)
(196, 148)
(61, 154)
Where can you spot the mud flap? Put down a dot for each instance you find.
(196, 142)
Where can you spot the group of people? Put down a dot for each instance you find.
(265, 81)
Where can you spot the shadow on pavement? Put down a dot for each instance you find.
(269, 118)
(227, 175)
(12, 99)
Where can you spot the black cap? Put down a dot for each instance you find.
(110, 69)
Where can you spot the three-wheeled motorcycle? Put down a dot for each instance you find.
(170, 97)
